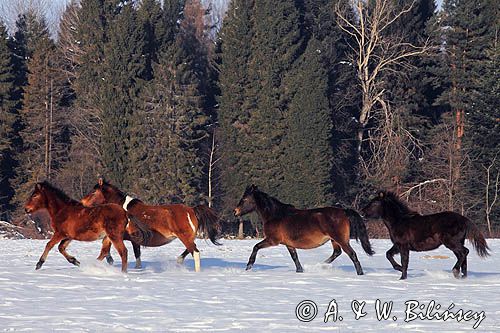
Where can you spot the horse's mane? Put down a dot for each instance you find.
(397, 204)
(272, 206)
(59, 193)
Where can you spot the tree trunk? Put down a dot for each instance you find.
(240, 229)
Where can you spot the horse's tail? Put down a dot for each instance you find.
(142, 233)
(358, 230)
(208, 222)
(476, 237)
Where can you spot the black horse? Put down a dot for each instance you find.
(411, 231)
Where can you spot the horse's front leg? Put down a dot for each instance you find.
(56, 238)
(390, 256)
(295, 258)
(405, 258)
(62, 249)
(180, 259)
(260, 245)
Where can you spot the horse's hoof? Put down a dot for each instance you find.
(138, 266)
(249, 267)
(300, 270)
(110, 260)
(180, 260)
(403, 278)
(456, 273)
(38, 265)
(361, 273)
(74, 261)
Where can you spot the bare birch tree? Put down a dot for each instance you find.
(375, 52)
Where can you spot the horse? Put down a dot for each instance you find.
(166, 222)
(303, 228)
(70, 220)
(410, 231)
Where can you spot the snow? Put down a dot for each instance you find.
(164, 296)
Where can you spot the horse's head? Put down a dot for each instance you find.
(375, 208)
(101, 194)
(37, 200)
(247, 202)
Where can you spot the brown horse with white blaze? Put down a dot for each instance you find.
(166, 222)
(70, 220)
(304, 228)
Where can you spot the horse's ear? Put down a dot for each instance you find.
(38, 186)
(381, 195)
(253, 187)
(100, 181)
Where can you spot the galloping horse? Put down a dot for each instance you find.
(303, 228)
(70, 220)
(166, 222)
(411, 231)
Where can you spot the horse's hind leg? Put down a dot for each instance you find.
(461, 264)
(464, 263)
(337, 251)
(295, 259)
(106, 251)
(350, 252)
(56, 238)
(180, 259)
(390, 256)
(122, 250)
(62, 249)
(137, 254)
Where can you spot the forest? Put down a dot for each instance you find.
(318, 102)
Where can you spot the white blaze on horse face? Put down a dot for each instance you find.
(191, 223)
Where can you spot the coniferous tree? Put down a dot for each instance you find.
(234, 111)
(8, 119)
(308, 157)
(277, 44)
(40, 117)
(124, 69)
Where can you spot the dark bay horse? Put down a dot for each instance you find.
(70, 220)
(166, 222)
(411, 231)
(303, 228)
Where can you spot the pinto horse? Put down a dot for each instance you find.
(410, 231)
(70, 220)
(166, 222)
(304, 228)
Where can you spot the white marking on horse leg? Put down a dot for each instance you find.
(191, 223)
(196, 256)
(180, 260)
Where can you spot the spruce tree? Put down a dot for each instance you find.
(308, 158)
(8, 119)
(124, 69)
(277, 44)
(234, 111)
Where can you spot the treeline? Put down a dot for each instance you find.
(318, 102)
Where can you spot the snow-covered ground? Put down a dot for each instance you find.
(164, 296)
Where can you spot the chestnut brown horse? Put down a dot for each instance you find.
(304, 228)
(167, 222)
(411, 231)
(70, 220)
